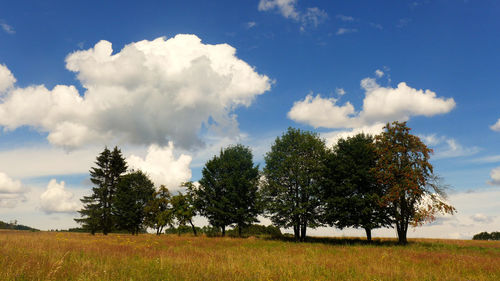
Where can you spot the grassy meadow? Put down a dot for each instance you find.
(78, 256)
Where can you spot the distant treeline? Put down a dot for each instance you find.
(487, 236)
(15, 226)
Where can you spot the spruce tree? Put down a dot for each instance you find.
(96, 213)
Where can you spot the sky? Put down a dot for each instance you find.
(172, 82)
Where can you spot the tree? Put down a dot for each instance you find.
(352, 194)
(133, 193)
(96, 212)
(291, 184)
(159, 211)
(184, 211)
(228, 188)
(413, 194)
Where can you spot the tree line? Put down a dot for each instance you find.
(362, 182)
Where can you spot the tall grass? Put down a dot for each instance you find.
(77, 256)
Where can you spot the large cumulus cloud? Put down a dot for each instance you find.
(149, 92)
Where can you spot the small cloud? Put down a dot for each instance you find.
(314, 16)
(482, 218)
(340, 91)
(379, 73)
(80, 45)
(345, 18)
(445, 147)
(342, 31)
(403, 22)
(251, 24)
(7, 28)
(495, 176)
(287, 8)
(376, 25)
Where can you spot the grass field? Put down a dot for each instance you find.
(75, 256)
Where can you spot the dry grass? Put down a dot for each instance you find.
(73, 256)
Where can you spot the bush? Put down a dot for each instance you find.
(256, 230)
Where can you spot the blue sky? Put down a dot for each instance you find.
(256, 67)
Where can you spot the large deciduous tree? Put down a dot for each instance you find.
(412, 194)
(227, 193)
(291, 183)
(351, 193)
(184, 209)
(133, 193)
(96, 213)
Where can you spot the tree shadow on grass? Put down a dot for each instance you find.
(383, 242)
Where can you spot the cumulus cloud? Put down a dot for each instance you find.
(11, 191)
(379, 73)
(495, 176)
(380, 105)
(333, 137)
(149, 92)
(56, 199)
(7, 80)
(312, 16)
(162, 166)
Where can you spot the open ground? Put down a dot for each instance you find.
(78, 256)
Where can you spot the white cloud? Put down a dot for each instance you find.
(251, 24)
(333, 137)
(312, 16)
(379, 73)
(345, 18)
(162, 166)
(482, 218)
(11, 191)
(380, 105)
(340, 91)
(7, 28)
(285, 7)
(495, 176)
(7, 80)
(445, 147)
(149, 92)
(56, 199)
(377, 25)
(344, 30)
(496, 126)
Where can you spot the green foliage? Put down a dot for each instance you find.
(14, 226)
(159, 211)
(96, 213)
(412, 193)
(256, 230)
(133, 193)
(487, 236)
(294, 170)
(184, 207)
(351, 193)
(228, 189)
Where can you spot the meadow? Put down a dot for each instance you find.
(79, 256)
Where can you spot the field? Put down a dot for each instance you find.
(75, 256)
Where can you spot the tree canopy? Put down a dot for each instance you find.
(412, 193)
(294, 170)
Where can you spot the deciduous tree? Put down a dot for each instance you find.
(413, 195)
(159, 211)
(294, 171)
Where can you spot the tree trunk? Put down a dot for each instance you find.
(193, 227)
(296, 231)
(303, 232)
(402, 236)
(223, 230)
(368, 234)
